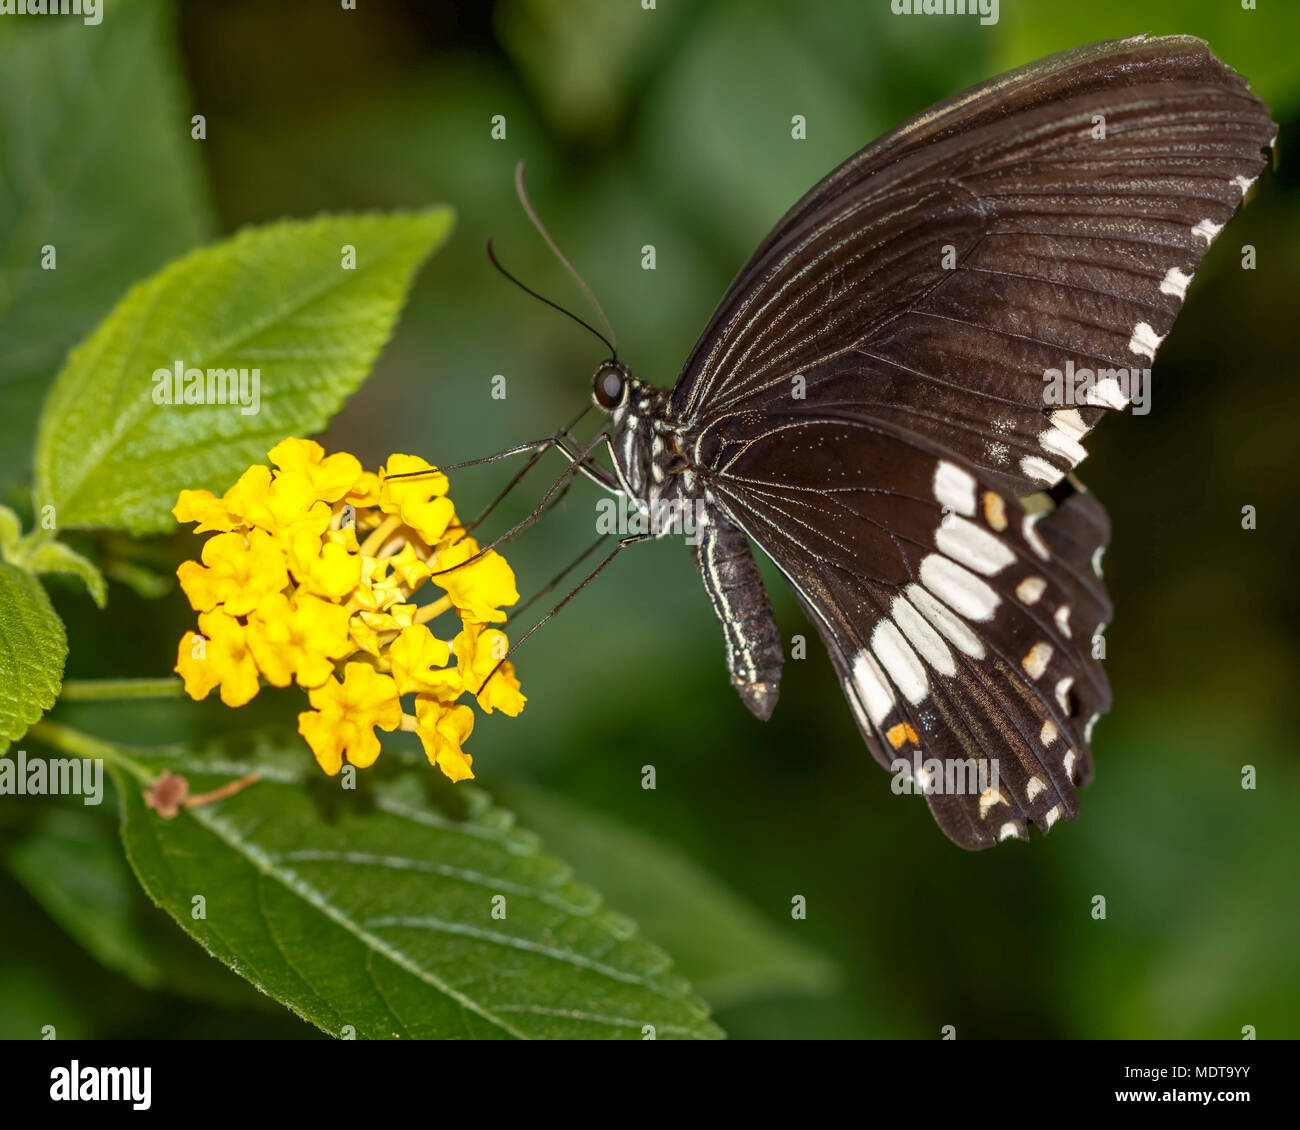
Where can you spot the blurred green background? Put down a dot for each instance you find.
(671, 127)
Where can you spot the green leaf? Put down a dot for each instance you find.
(276, 300)
(11, 529)
(86, 889)
(96, 161)
(374, 908)
(71, 863)
(730, 952)
(55, 557)
(33, 646)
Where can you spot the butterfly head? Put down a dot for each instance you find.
(643, 447)
(610, 385)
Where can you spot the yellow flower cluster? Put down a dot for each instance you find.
(310, 575)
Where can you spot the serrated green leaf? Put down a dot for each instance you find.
(33, 646)
(55, 557)
(96, 161)
(11, 529)
(730, 952)
(276, 299)
(374, 908)
(70, 861)
(65, 866)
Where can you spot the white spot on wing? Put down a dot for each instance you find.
(1052, 815)
(1031, 536)
(1175, 283)
(1008, 831)
(969, 545)
(1035, 468)
(1244, 184)
(1033, 788)
(954, 488)
(1207, 230)
(950, 625)
(900, 661)
(1145, 341)
(1036, 660)
(1070, 422)
(1062, 618)
(1061, 443)
(922, 637)
(870, 681)
(1087, 730)
(855, 704)
(1049, 732)
(1096, 559)
(1106, 393)
(988, 798)
(1030, 589)
(1063, 691)
(1069, 764)
(959, 588)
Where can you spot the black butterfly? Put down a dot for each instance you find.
(868, 405)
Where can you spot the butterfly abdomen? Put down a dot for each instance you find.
(735, 588)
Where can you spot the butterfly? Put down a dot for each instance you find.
(875, 405)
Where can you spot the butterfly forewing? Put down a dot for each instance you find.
(938, 275)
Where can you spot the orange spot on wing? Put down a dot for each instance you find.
(995, 510)
(901, 733)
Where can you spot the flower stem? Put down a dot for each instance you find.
(380, 534)
(229, 789)
(432, 611)
(68, 740)
(96, 690)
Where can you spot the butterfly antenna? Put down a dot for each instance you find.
(553, 305)
(609, 337)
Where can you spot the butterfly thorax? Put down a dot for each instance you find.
(655, 467)
(649, 456)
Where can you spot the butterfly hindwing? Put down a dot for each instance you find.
(960, 636)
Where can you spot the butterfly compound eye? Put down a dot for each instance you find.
(607, 386)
